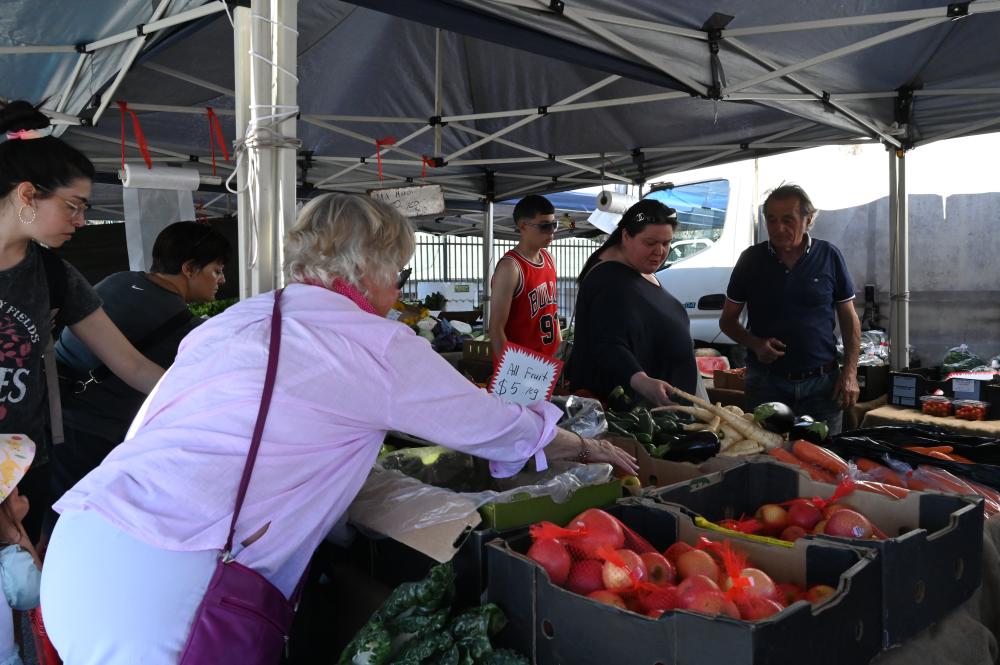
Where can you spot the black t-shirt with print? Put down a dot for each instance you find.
(25, 328)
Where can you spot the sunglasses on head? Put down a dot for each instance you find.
(403, 276)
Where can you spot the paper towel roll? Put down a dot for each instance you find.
(614, 202)
(179, 178)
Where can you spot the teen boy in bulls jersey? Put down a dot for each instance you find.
(524, 308)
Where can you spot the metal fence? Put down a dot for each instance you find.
(446, 260)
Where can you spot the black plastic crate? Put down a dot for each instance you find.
(931, 566)
(873, 381)
(558, 627)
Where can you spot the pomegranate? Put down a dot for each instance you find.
(602, 530)
(618, 577)
(585, 576)
(789, 593)
(675, 550)
(804, 514)
(660, 570)
(773, 517)
(692, 586)
(848, 524)
(834, 507)
(759, 583)
(663, 599)
(792, 533)
(551, 555)
(755, 608)
(819, 593)
(697, 562)
(713, 603)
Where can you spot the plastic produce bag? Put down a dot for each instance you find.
(584, 415)
(961, 359)
(384, 502)
(874, 349)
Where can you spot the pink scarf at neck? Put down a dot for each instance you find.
(348, 291)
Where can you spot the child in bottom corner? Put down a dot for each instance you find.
(20, 569)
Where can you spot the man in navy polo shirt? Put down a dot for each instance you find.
(795, 288)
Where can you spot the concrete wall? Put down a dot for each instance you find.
(954, 267)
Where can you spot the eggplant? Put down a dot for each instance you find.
(810, 430)
(695, 447)
(774, 417)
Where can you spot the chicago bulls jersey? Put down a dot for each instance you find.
(533, 321)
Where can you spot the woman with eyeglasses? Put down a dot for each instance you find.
(630, 331)
(44, 187)
(345, 376)
(151, 309)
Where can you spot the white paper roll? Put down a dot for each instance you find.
(614, 202)
(179, 178)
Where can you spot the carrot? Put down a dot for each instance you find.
(960, 458)
(821, 457)
(816, 473)
(880, 472)
(985, 491)
(939, 455)
(926, 450)
(947, 480)
(884, 489)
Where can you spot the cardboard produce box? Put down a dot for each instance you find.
(728, 379)
(399, 544)
(655, 472)
(930, 565)
(555, 626)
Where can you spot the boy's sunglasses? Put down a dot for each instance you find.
(403, 276)
(544, 226)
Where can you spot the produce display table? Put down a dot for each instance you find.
(856, 414)
(896, 415)
(967, 636)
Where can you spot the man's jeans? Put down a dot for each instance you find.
(808, 397)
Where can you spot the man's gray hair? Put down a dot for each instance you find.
(347, 236)
(787, 190)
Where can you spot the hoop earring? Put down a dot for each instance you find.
(20, 215)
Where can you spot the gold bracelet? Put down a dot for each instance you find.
(584, 450)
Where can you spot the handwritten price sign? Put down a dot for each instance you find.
(524, 376)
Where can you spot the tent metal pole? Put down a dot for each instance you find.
(520, 123)
(374, 155)
(438, 86)
(866, 123)
(903, 251)
(71, 81)
(131, 52)
(285, 90)
(566, 108)
(894, 355)
(614, 20)
(565, 159)
(132, 144)
(166, 108)
(377, 119)
(955, 91)
(168, 71)
(243, 65)
(262, 188)
(587, 23)
(487, 262)
(24, 50)
(156, 25)
(838, 53)
(871, 19)
(968, 129)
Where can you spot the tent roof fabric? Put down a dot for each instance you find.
(637, 77)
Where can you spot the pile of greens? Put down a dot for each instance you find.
(210, 309)
(415, 626)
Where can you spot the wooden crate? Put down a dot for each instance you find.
(473, 350)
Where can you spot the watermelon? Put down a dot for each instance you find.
(708, 364)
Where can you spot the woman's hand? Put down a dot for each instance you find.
(655, 391)
(568, 445)
(599, 450)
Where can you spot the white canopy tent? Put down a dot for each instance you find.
(494, 99)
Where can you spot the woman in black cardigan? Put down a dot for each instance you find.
(630, 331)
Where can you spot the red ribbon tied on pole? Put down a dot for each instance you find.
(215, 136)
(426, 161)
(139, 136)
(389, 140)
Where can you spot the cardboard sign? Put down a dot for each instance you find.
(412, 201)
(524, 376)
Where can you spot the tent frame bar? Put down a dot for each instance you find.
(156, 25)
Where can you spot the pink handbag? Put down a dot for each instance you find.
(243, 618)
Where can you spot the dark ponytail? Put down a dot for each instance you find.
(635, 219)
(47, 162)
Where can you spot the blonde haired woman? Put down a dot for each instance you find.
(163, 501)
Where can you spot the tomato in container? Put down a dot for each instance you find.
(935, 405)
(971, 409)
